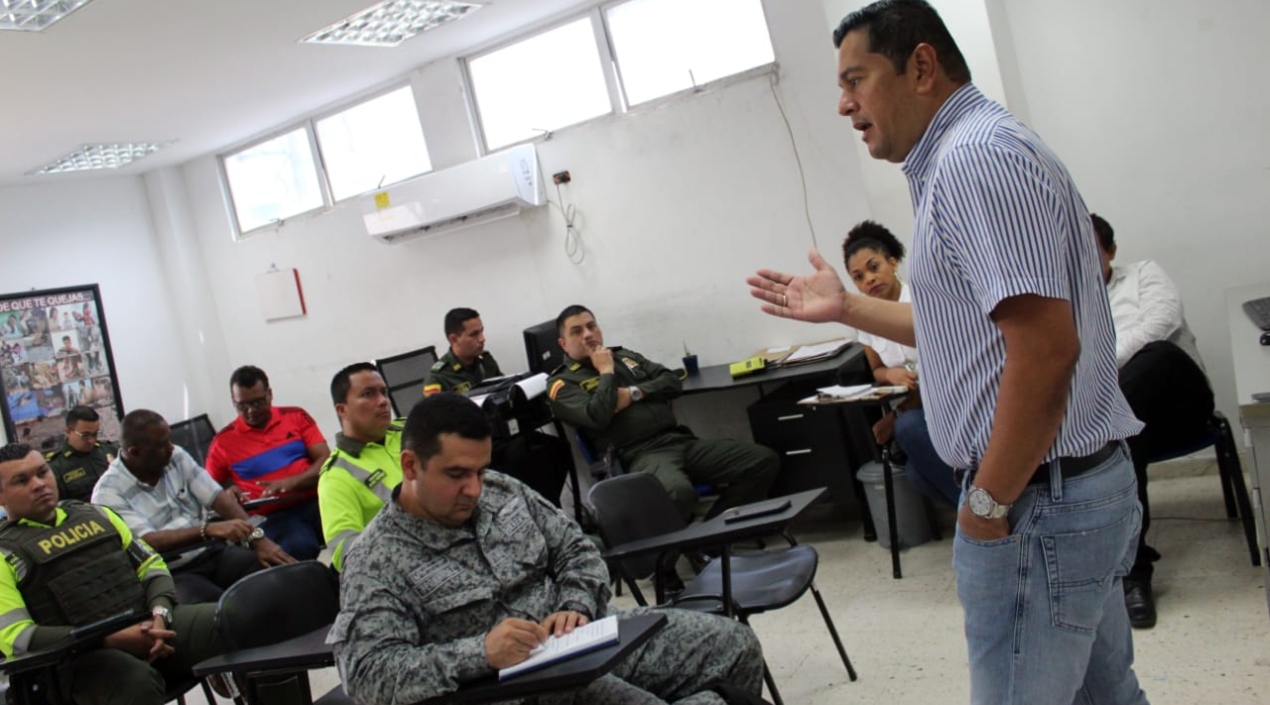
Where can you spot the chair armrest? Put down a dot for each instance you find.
(82, 638)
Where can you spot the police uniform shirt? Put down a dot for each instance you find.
(77, 472)
(450, 375)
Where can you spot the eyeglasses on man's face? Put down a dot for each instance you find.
(252, 404)
(87, 435)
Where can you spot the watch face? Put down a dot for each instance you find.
(981, 503)
(259, 533)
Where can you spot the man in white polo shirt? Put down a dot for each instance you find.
(166, 499)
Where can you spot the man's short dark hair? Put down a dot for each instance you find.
(81, 413)
(14, 451)
(137, 424)
(456, 318)
(439, 414)
(896, 27)
(341, 383)
(66, 339)
(567, 313)
(247, 376)
(1106, 235)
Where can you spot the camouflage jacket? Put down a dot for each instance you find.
(417, 598)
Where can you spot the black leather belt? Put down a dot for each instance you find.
(1068, 466)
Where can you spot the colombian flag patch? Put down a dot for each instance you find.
(430, 389)
(555, 389)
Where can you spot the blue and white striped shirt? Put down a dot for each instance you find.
(997, 216)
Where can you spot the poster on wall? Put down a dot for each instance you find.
(55, 355)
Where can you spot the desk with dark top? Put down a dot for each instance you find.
(717, 377)
(719, 533)
(815, 450)
(311, 651)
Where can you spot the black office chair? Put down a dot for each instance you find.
(274, 605)
(1231, 472)
(195, 436)
(633, 507)
(34, 678)
(405, 374)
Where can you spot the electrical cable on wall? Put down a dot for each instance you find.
(572, 237)
(573, 248)
(771, 82)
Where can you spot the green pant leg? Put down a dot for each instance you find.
(690, 652)
(196, 640)
(744, 471)
(663, 458)
(112, 677)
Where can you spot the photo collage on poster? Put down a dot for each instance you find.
(54, 356)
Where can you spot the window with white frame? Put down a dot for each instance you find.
(656, 47)
(274, 180)
(376, 142)
(665, 46)
(542, 83)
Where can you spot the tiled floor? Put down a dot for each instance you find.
(1212, 643)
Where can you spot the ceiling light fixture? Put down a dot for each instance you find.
(389, 23)
(35, 15)
(101, 156)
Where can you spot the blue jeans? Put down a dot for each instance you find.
(1045, 614)
(924, 469)
(298, 530)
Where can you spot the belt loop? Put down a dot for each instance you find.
(1056, 479)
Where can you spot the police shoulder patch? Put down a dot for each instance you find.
(590, 384)
(438, 366)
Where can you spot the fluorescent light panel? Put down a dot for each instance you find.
(102, 156)
(35, 15)
(390, 23)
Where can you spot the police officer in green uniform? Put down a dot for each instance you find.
(465, 364)
(82, 458)
(620, 399)
(67, 564)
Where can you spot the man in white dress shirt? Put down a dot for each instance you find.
(1162, 378)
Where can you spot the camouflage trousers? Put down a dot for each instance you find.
(677, 664)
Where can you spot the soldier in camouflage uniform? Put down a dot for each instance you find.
(466, 570)
(465, 364)
(82, 458)
(621, 399)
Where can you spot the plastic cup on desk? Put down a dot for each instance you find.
(691, 366)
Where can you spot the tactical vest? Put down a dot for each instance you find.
(74, 573)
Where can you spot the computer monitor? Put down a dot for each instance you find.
(542, 347)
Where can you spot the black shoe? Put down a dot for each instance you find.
(1140, 602)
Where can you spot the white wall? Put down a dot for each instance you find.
(677, 204)
(99, 231)
(1158, 108)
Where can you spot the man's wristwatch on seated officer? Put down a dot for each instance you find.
(637, 394)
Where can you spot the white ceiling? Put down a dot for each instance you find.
(207, 73)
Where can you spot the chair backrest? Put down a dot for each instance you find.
(195, 436)
(633, 507)
(404, 374)
(277, 604)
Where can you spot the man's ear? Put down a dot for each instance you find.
(451, 338)
(340, 409)
(411, 468)
(923, 65)
(560, 341)
(1111, 254)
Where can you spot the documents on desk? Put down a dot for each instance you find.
(797, 354)
(590, 637)
(838, 394)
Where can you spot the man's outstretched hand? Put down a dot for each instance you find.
(818, 297)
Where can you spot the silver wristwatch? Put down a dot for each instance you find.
(637, 394)
(256, 535)
(984, 506)
(162, 613)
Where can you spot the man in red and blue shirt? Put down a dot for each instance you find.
(272, 452)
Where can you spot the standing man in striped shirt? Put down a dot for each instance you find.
(1018, 356)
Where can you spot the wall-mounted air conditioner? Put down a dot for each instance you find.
(489, 188)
